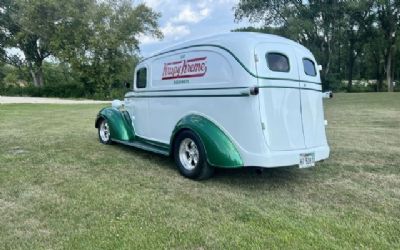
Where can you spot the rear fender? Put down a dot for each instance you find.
(220, 150)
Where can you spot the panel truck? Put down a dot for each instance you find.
(227, 101)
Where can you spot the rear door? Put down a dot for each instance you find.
(311, 99)
(280, 96)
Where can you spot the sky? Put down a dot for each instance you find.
(183, 20)
(186, 20)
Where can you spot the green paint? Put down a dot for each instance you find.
(235, 57)
(119, 122)
(146, 145)
(211, 95)
(187, 89)
(156, 144)
(122, 131)
(287, 87)
(155, 96)
(181, 81)
(220, 150)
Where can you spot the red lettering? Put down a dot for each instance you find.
(195, 67)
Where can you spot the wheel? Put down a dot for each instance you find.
(190, 156)
(104, 132)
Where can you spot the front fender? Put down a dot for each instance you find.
(220, 150)
(119, 122)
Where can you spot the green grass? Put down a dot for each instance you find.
(60, 188)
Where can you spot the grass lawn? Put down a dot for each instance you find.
(60, 188)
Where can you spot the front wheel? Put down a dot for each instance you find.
(190, 156)
(104, 132)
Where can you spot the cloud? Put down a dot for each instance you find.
(182, 19)
(188, 15)
(145, 39)
(152, 3)
(217, 3)
(176, 31)
(171, 31)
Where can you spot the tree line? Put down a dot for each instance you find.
(88, 48)
(89, 43)
(350, 38)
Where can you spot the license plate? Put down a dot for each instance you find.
(307, 160)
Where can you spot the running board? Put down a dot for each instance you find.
(144, 146)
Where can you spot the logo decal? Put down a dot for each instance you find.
(195, 67)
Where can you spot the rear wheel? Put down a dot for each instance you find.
(104, 132)
(190, 156)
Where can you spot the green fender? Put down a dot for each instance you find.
(119, 122)
(220, 150)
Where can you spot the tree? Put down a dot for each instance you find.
(388, 18)
(105, 49)
(84, 33)
(336, 31)
(357, 24)
(375, 59)
(312, 23)
(29, 26)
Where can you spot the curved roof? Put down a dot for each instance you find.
(240, 44)
(249, 39)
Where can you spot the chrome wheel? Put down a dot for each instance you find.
(104, 131)
(189, 154)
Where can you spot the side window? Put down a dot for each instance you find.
(141, 78)
(309, 67)
(278, 62)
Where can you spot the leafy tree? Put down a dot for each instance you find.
(29, 26)
(357, 24)
(312, 23)
(388, 18)
(344, 35)
(104, 51)
(374, 57)
(97, 38)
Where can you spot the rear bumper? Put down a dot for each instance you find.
(283, 158)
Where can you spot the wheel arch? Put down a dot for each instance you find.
(98, 121)
(119, 122)
(219, 148)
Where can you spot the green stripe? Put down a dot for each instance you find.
(172, 90)
(226, 95)
(286, 87)
(234, 56)
(158, 144)
(144, 146)
(287, 79)
(155, 96)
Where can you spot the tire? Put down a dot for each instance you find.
(104, 132)
(190, 156)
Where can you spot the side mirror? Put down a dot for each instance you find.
(127, 85)
(320, 67)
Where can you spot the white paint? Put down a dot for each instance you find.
(290, 110)
(116, 104)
